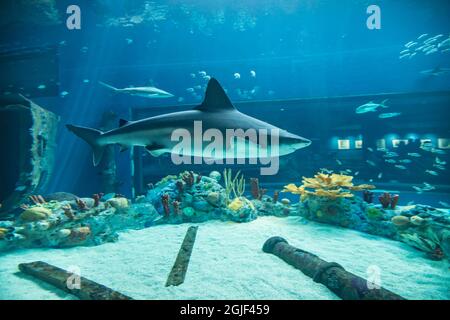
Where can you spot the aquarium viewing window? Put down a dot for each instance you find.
(443, 143)
(397, 142)
(358, 144)
(344, 144)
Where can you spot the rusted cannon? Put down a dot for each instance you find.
(344, 284)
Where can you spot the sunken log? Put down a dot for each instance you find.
(27, 139)
(344, 284)
(86, 290)
(179, 269)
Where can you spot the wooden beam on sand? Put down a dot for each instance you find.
(179, 269)
(60, 278)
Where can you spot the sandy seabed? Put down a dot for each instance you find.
(227, 263)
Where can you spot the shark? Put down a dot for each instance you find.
(371, 107)
(216, 112)
(145, 92)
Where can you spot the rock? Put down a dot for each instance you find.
(42, 225)
(89, 202)
(35, 214)
(285, 201)
(215, 175)
(400, 221)
(188, 211)
(63, 233)
(60, 196)
(118, 203)
(416, 220)
(201, 205)
(213, 198)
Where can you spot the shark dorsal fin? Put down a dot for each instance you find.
(215, 98)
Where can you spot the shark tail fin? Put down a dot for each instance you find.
(91, 137)
(383, 103)
(108, 86)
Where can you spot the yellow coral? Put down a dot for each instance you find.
(329, 186)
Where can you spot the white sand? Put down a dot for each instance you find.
(228, 263)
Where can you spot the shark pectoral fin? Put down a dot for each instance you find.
(155, 149)
(123, 122)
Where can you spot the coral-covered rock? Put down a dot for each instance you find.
(35, 214)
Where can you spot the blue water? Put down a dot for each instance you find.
(312, 61)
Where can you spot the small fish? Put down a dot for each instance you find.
(404, 52)
(403, 56)
(198, 87)
(253, 73)
(207, 78)
(428, 187)
(85, 80)
(414, 154)
(180, 99)
(438, 71)
(390, 161)
(413, 55)
(202, 73)
(63, 94)
(439, 161)
(192, 75)
(356, 173)
(370, 149)
(401, 167)
(431, 172)
(129, 41)
(327, 171)
(405, 161)
(390, 154)
(438, 166)
(437, 151)
(422, 36)
(370, 162)
(431, 40)
(190, 89)
(418, 189)
(42, 86)
(410, 44)
(431, 51)
(84, 49)
(236, 75)
(445, 43)
(444, 204)
(339, 162)
(380, 175)
(371, 107)
(389, 115)
(446, 50)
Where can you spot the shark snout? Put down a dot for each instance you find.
(302, 143)
(296, 142)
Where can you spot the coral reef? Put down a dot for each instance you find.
(68, 220)
(387, 200)
(332, 186)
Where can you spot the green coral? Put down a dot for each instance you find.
(235, 185)
(374, 213)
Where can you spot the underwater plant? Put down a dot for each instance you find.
(235, 185)
(331, 186)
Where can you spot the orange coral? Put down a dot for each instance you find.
(329, 186)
